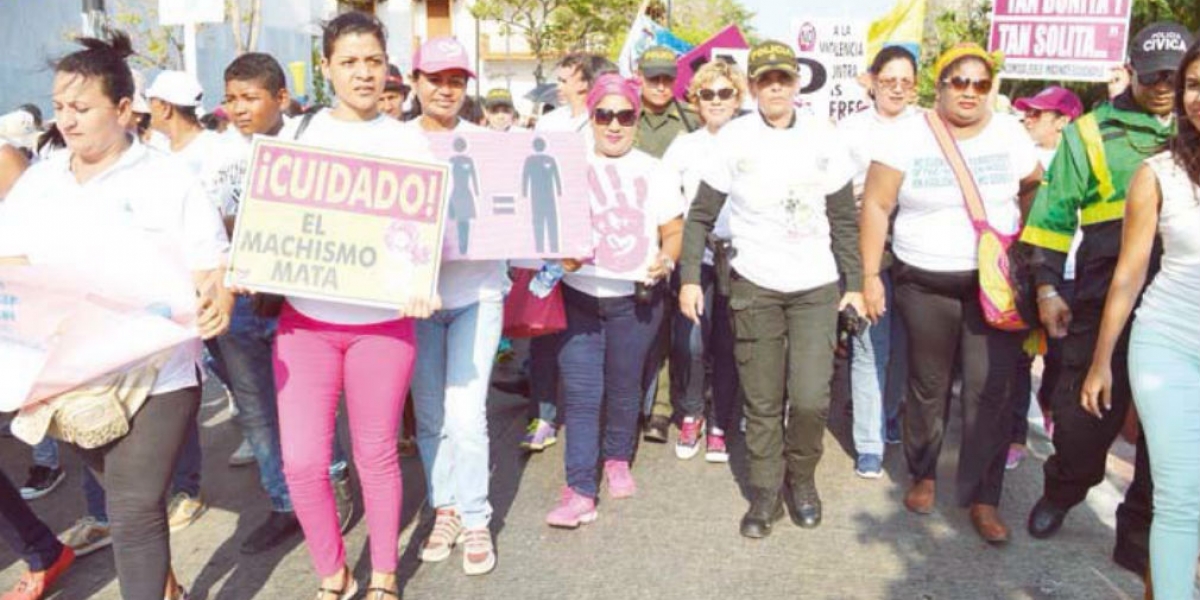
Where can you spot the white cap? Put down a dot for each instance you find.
(176, 87)
(18, 128)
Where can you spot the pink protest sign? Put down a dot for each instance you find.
(730, 38)
(515, 195)
(1075, 40)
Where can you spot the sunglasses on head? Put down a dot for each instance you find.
(604, 117)
(1156, 77)
(960, 84)
(723, 93)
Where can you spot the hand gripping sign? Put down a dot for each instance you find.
(339, 226)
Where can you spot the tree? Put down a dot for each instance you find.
(157, 47)
(697, 20)
(555, 27)
(250, 19)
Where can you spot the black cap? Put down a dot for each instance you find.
(658, 61)
(1159, 47)
(772, 56)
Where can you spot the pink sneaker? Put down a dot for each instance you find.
(1048, 425)
(688, 443)
(573, 510)
(620, 480)
(1016, 454)
(715, 450)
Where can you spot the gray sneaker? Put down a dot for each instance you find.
(184, 510)
(343, 496)
(86, 536)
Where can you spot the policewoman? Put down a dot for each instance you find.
(794, 234)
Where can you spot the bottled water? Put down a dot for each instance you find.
(547, 277)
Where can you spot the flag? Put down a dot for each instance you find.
(903, 26)
(642, 35)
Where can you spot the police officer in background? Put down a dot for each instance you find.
(1085, 187)
(499, 113)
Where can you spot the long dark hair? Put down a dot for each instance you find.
(1185, 146)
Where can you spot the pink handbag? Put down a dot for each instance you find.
(526, 315)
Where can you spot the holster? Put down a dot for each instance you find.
(723, 252)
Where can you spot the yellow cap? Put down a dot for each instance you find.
(964, 49)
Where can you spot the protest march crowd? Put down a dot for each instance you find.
(942, 247)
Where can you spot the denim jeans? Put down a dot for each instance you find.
(45, 453)
(24, 533)
(690, 350)
(454, 365)
(601, 358)
(726, 387)
(1164, 372)
(186, 478)
(543, 376)
(93, 496)
(878, 372)
(244, 355)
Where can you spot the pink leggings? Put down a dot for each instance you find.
(314, 362)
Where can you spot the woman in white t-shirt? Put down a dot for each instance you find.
(1164, 346)
(937, 279)
(63, 212)
(716, 92)
(458, 343)
(609, 325)
(324, 349)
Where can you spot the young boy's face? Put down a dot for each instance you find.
(253, 109)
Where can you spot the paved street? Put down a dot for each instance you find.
(676, 539)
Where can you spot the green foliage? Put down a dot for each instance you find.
(697, 20)
(157, 47)
(318, 91)
(970, 23)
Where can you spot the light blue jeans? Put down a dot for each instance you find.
(45, 453)
(455, 351)
(878, 372)
(1164, 372)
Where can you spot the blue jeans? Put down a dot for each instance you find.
(93, 495)
(601, 358)
(689, 350)
(543, 376)
(1164, 372)
(45, 453)
(243, 354)
(24, 533)
(726, 387)
(186, 478)
(878, 371)
(450, 387)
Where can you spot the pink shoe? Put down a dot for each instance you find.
(620, 480)
(573, 510)
(1016, 454)
(1048, 425)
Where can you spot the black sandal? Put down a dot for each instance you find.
(349, 590)
(378, 591)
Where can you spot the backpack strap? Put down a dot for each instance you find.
(1093, 144)
(966, 181)
(305, 121)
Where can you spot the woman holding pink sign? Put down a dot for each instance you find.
(324, 348)
(610, 326)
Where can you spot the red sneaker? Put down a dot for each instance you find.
(33, 584)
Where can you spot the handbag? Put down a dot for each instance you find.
(1003, 290)
(96, 414)
(526, 315)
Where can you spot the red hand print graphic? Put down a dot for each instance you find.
(620, 226)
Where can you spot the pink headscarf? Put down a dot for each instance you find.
(613, 84)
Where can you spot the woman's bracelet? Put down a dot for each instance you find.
(1048, 295)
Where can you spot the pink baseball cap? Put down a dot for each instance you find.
(1053, 98)
(442, 54)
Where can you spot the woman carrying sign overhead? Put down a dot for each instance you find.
(106, 180)
(324, 349)
(937, 278)
(458, 344)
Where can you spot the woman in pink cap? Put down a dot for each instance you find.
(609, 325)
(458, 343)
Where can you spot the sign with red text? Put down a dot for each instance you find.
(832, 56)
(338, 226)
(1067, 40)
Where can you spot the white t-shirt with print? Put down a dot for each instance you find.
(462, 283)
(664, 203)
(382, 136)
(861, 133)
(144, 188)
(777, 181)
(689, 155)
(932, 229)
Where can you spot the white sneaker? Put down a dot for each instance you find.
(86, 536)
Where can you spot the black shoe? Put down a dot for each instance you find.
(657, 430)
(41, 481)
(1045, 519)
(765, 509)
(1131, 556)
(517, 387)
(278, 527)
(806, 503)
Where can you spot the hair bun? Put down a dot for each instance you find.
(114, 41)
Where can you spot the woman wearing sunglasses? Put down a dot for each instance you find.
(937, 281)
(703, 333)
(610, 326)
(877, 355)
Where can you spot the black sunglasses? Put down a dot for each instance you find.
(960, 84)
(1156, 77)
(707, 95)
(604, 117)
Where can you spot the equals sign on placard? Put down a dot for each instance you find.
(504, 205)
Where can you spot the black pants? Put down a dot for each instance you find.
(784, 339)
(942, 313)
(136, 472)
(1081, 441)
(23, 531)
(1023, 378)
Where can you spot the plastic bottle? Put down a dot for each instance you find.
(547, 277)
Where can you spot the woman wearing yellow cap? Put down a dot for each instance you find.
(937, 279)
